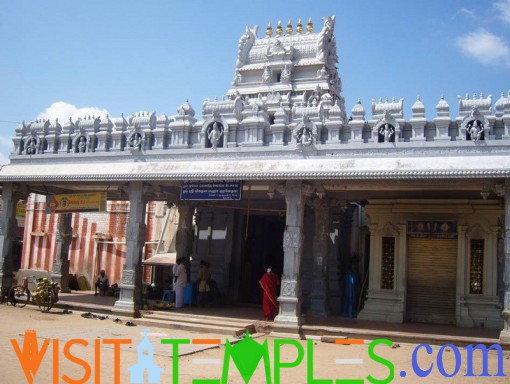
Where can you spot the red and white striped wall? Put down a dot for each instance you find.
(98, 239)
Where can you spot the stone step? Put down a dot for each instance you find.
(395, 336)
(196, 318)
(194, 327)
(198, 323)
(86, 307)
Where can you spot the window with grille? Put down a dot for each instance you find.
(476, 267)
(388, 263)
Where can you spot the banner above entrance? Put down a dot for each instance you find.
(76, 202)
(211, 190)
(432, 229)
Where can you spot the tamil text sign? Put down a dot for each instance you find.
(76, 202)
(211, 190)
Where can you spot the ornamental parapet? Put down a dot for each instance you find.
(143, 120)
(483, 104)
(228, 106)
(380, 108)
(145, 131)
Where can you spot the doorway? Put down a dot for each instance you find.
(431, 280)
(262, 245)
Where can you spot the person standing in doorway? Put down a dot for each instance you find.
(180, 282)
(204, 276)
(174, 280)
(270, 284)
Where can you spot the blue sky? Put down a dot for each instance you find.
(73, 57)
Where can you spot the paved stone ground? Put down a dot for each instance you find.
(200, 361)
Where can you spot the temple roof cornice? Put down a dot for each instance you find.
(264, 169)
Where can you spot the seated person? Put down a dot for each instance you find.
(102, 283)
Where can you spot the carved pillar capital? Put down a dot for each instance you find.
(320, 203)
(274, 188)
(186, 207)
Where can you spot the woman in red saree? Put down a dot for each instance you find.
(270, 283)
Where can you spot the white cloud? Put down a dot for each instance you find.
(63, 111)
(503, 6)
(485, 47)
(466, 12)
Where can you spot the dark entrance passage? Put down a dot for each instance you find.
(262, 245)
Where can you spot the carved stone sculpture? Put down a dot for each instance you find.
(245, 43)
(475, 130)
(82, 145)
(285, 78)
(31, 147)
(214, 135)
(387, 131)
(266, 76)
(136, 141)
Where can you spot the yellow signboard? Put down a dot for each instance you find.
(76, 202)
(21, 209)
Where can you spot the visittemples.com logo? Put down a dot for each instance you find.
(245, 356)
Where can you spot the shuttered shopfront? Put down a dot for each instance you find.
(431, 277)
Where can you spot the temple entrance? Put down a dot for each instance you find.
(262, 245)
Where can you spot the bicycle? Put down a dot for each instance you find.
(45, 295)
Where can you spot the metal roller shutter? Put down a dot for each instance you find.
(431, 280)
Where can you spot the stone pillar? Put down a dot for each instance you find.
(320, 289)
(130, 299)
(289, 317)
(8, 227)
(184, 234)
(504, 337)
(61, 264)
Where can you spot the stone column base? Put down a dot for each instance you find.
(286, 331)
(504, 336)
(288, 322)
(126, 305)
(287, 327)
(383, 306)
(504, 339)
